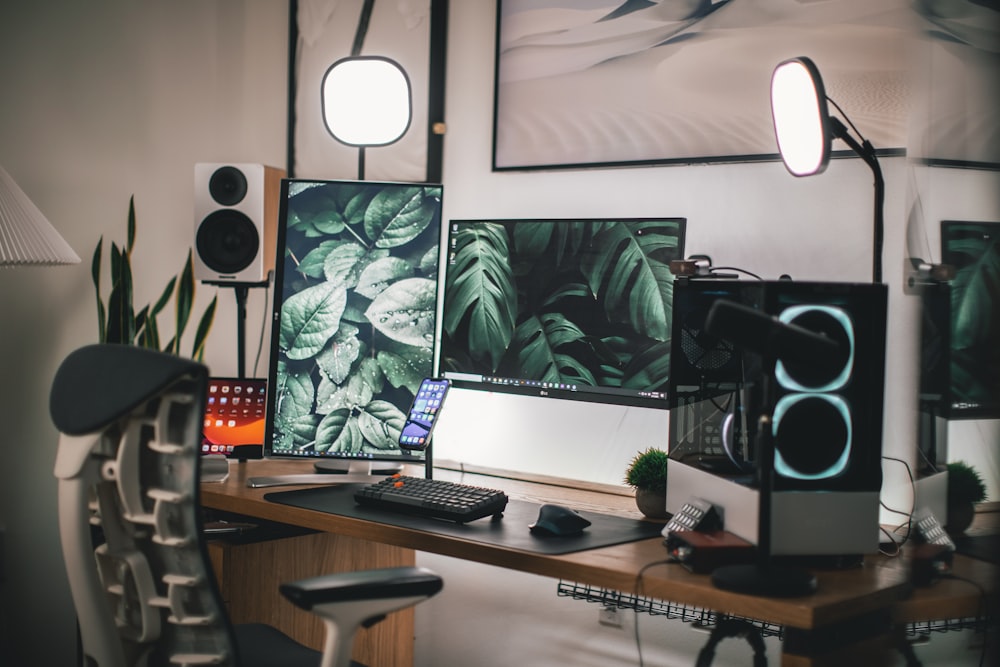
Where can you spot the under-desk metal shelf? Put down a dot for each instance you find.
(706, 618)
(696, 616)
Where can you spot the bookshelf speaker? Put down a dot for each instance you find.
(235, 222)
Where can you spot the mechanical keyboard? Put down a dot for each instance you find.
(434, 498)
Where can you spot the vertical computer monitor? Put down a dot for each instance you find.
(574, 309)
(973, 366)
(353, 320)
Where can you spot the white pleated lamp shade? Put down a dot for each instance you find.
(26, 236)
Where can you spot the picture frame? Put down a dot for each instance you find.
(611, 84)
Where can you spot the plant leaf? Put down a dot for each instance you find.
(381, 423)
(95, 274)
(164, 299)
(147, 333)
(121, 316)
(336, 360)
(537, 341)
(406, 370)
(344, 263)
(405, 311)
(330, 430)
(312, 264)
(184, 300)
(131, 226)
(396, 215)
(649, 367)
(625, 273)
(300, 433)
(310, 318)
(359, 389)
(201, 333)
(380, 274)
(296, 394)
(481, 291)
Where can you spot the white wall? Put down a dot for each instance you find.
(102, 101)
(106, 100)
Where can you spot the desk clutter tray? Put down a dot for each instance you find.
(510, 531)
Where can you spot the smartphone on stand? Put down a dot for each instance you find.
(423, 415)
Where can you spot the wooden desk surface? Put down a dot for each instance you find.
(842, 594)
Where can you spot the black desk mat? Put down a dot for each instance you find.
(510, 531)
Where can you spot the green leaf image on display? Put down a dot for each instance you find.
(482, 292)
(405, 310)
(598, 315)
(357, 317)
(310, 318)
(974, 248)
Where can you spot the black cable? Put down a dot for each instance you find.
(913, 503)
(362, 30)
(638, 593)
(263, 324)
(846, 118)
(980, 613)
(926, 459)
(713, 269)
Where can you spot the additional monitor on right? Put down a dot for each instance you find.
(973, 353)
(561, 308)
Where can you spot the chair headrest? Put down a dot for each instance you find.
(99, 383)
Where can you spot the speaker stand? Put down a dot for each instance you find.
(242, 291)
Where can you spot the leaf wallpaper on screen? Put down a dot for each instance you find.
(974, 248)
(357, 323)
(508, 314)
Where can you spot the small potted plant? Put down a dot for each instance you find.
(647, 474)
(965, 488)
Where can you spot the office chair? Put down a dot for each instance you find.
(130, 422)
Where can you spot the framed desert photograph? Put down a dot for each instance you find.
(615, 82)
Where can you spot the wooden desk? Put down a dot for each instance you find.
(343, 543)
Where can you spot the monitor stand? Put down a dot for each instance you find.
(356, 467)
(331, 472)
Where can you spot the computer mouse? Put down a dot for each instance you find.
(558, 520)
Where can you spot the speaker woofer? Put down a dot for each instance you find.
(227, 241)
(228, 186)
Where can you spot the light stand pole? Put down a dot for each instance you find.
(764, 577)
(772, 339)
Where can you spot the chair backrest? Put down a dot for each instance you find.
(130, 421)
